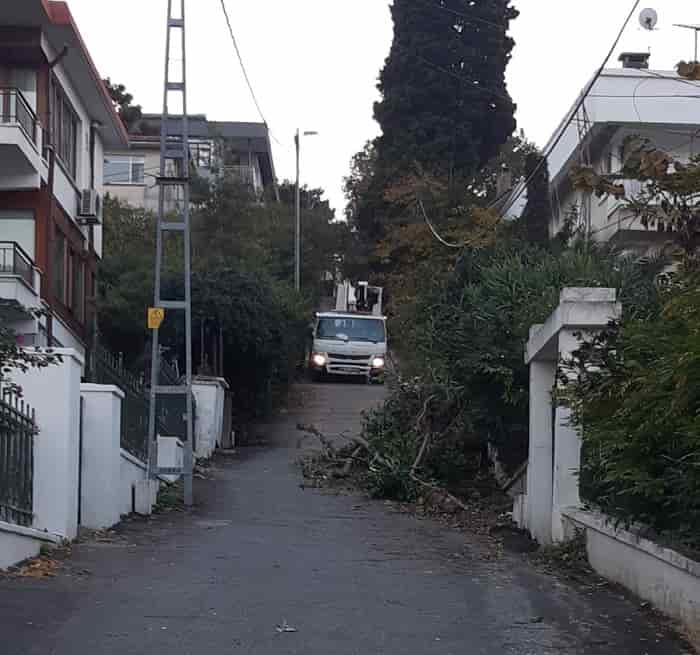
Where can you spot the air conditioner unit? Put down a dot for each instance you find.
(90, 209)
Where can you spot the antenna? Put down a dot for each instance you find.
(648, 19)
(696, 29)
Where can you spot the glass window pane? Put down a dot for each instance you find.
(117, 171)
(137, 171)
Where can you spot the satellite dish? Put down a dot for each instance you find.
(648, 19)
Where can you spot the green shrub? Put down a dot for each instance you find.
(465, 335)
(635, 394)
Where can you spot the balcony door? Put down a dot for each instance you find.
(18, 226)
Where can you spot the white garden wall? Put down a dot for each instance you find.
(100, 489)
(664, 577)
(550, 509)
(209, 395)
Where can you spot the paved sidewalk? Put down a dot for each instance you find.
(351, 577)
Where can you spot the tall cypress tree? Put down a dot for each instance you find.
(444, 102)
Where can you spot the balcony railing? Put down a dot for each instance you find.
(245, 174)
(14, 108)
(15, 261)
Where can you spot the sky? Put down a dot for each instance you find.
(314, 64)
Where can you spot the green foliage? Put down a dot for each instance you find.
(465, 334)
(15, 358)
(537, 214)
(415, 412)
(635, 395)
(444, 102)
(129, 113)
(247, 320)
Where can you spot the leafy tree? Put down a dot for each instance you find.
(444, 100)
(129, 113)
(538, 210)
(13, 357)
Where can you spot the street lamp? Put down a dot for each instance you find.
(297, 231)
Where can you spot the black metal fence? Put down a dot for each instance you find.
(14, 108)
(14, 261)
(170, 410)
(17, 430)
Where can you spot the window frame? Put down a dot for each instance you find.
(131, 161)
(65, 128)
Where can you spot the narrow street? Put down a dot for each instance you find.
(266, 566)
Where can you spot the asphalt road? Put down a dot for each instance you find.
(264, 566)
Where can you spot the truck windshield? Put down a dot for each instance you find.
(351, 329)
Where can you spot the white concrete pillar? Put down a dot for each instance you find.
(54, 392)
(99, 501)
(209, 396)
(540, 457)
(567, 451)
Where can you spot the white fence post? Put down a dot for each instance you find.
(102, 405)
(554, 456)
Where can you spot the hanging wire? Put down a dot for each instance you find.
(575, 111)
(240, 61)
(435, 232)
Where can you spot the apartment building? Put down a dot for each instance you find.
(239, 150)
(632, 100)
(56, 122)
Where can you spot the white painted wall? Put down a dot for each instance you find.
(18, 543)
(209, 396)
(54, 392)
(131, 471)
(665, 578)
(170, 455)
(20, 160)
(64, 335)
(100, 489)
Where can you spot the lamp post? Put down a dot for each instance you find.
(297, 230)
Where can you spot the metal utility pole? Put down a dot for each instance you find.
(173, 178)
(297, 228)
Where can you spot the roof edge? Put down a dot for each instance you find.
(60, 14)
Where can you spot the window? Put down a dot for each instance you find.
(59, 266)
(18, 226)
(201, 153)
(64, 128)
(124, 170)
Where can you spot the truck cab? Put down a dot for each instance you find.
(352, 339)
(349, 343)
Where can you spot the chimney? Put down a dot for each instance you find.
(639, 60)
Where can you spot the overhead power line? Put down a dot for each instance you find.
(472, 84)
(240, 61)
(575, 111)
(472, 19)
(435, 233)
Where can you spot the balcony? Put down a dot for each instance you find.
(20, 281)
(21, 163)
(248, 175)
(614, 222)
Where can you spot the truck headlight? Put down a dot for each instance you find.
(378, 362)
(319, 359)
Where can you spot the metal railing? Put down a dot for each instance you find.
(14, 108)
(245, 174)
(15, 261)
(170, 410)
(17, 430)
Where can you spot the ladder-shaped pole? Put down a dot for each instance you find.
(173, 182)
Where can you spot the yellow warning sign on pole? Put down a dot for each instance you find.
(155, 317)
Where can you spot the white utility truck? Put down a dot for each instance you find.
(352, 339)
